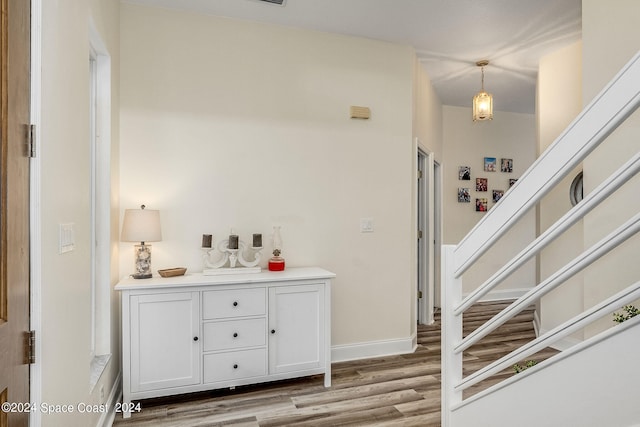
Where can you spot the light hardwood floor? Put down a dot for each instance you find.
(386, 391)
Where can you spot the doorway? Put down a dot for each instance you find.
(429, 204)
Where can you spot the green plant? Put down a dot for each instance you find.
(631, 311)
(519, 368)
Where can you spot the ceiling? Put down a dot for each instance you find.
(449, 36)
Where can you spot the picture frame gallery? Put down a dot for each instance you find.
(484, 184)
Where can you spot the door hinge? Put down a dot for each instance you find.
(31, 140)
(419, 294)
(31, 347)
(419, 234)
(419, 174)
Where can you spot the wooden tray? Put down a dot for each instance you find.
(171, 272)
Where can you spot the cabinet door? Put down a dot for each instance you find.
(165, 342)
(296, 328)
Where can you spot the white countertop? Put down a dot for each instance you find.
(293, 273)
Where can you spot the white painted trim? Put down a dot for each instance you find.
(537, 323)
(108, 417)
(431, 191)
(101, 258)
(562, 344)
(451, 362)
(503, 294)
(579, 263)
(35, 212)
(433, 233)
(365, 350)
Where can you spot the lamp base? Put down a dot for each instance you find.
(142, 257)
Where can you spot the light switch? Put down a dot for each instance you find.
(67, 238)
(366, 225)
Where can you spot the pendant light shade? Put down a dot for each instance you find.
(483, 101)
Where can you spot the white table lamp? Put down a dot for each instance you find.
(141, 225)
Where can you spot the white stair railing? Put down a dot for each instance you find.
(617, 101)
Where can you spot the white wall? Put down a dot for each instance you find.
(559, 101)
(64, 159)
(465, 143)
(610, 39)
(229, 123)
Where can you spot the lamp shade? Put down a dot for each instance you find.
(483, 101)
(482, 106)
(141, 225)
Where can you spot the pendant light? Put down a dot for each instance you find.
(483, 101)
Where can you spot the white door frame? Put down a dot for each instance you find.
(35, 221)
(429, 221)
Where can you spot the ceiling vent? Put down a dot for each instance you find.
(278, 2)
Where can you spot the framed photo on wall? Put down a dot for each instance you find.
(481, 184)
(481, 205)
(512, 181)
(464, 173)
(489, 164)
(497, 195)
(506, 165)
(464, 196)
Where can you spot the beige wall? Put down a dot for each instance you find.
(465, 143)
(64, 198)
(427, 114)
(610, 39)
(559, 101)
(227, 123)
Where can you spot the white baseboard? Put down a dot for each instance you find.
(365, 350)
(536, 323)
(107, 418)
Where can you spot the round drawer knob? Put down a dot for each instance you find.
(235, 335)
(195, 338)
(273, 331)
(235, 366)
(235, 303)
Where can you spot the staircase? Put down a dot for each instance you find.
(592, 383)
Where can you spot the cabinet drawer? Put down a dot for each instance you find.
(232, 334)
(235, 365)
(233, 303)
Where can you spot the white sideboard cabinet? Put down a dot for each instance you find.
(194, 332)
